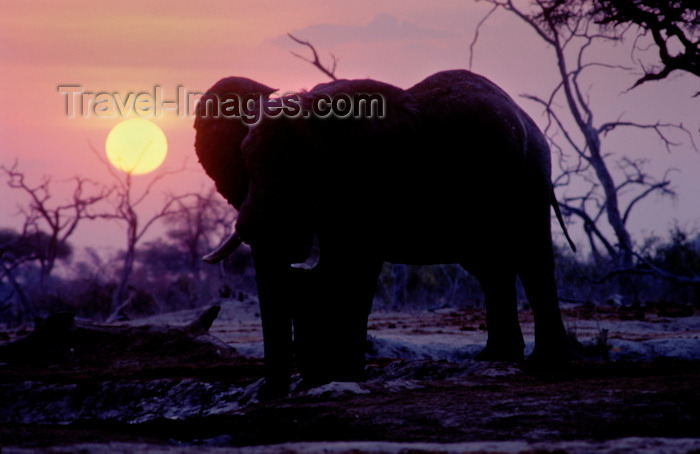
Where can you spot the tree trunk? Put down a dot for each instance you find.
(612, 209)
(591, 136)
(120, 293)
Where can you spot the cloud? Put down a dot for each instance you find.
(382, 28)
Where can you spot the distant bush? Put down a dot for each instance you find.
(664, 271)
(166, 279)
(652, 280)
(680, 258)
(434, 286)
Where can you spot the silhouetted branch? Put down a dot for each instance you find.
(551, 114)
(58, 221)
(670, 23)
(657, 127)
(125, 206)
(476, 34)
(569, 29)
(330, 72)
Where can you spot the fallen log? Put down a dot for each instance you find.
(63, 348)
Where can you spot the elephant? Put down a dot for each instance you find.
(453, 171)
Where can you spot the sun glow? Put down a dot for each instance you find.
(136, 146)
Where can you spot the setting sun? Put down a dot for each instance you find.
(136, 146)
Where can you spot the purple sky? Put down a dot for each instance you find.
(131, 46)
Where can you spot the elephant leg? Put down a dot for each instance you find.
(274, 282)
(354, 310)
(552, 344)
(505, 339)
(331, 330)
(307, 319)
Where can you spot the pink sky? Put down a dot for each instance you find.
(131, 46)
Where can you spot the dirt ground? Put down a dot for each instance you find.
(174, 390)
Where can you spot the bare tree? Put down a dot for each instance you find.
(56, 222)
(125, 201)
(577, 136)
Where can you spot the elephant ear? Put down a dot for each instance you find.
(218, 138)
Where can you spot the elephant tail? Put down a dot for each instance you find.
(557, 211)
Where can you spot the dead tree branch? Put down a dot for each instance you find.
(476, 34)
(572, 127)
(125, 202)
(57, 222)
(330, 72)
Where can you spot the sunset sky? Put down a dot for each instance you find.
(134, 46)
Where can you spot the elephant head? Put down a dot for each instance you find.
(270, 171)
(218, 139)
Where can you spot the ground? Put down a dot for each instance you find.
(174, 389)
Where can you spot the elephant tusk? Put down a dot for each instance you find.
(309, 264)
(225, 249)
(312, 260)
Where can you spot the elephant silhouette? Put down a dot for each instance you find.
(450, 170)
